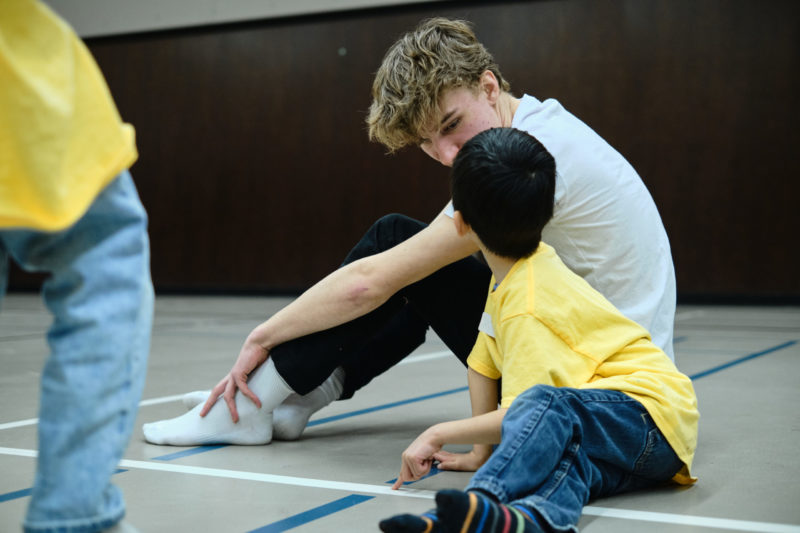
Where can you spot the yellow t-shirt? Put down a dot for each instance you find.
(549, 326)
(61, 137)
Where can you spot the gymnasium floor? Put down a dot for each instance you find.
(745, 362)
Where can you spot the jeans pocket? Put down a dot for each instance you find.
(658, 461)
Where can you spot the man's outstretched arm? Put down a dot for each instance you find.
(344, 295)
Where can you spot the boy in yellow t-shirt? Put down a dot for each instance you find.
(588, 406)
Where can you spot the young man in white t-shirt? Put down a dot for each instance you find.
(437, 87)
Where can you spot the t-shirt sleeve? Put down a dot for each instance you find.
(480, 358)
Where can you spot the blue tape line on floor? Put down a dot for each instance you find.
(190, 451)
(24, 493)
(8, 496)
(385, 406)
(433, 472)
(313, 514)
(741, 360)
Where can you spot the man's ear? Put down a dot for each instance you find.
(462, 228)
(490, 86)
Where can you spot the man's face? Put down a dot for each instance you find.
(465, 113)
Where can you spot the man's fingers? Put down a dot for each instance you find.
(230, 393)
(209, 404)
(213, 397)
(250, 394)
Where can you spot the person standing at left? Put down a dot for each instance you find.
(69, 208)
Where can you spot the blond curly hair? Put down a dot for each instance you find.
(439, 54)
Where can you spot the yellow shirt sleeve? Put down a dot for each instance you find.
(483, 355)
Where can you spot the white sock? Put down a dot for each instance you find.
(290, 418)
(191, 399)
(254, 426)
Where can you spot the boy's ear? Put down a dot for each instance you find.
(462, 228)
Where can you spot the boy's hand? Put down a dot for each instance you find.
(463, 462)
(417, 459)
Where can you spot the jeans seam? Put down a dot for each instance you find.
(646, 452)
(521, 436)
(561, 473)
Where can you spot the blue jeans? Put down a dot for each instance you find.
(101, 297)
(562, 447)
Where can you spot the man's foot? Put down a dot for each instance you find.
(291, 417)
(254, 427)
(194, 398)
(217, 427)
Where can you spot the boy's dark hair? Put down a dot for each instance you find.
(503, 182)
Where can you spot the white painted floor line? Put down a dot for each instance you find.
(425, 357)
(143, 403)
(163, 399)
(18, 452)
(384, 490)
(689, 520)
(19, 423)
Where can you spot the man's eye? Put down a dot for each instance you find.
(451, 126)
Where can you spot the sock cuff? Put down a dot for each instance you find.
(272, 369)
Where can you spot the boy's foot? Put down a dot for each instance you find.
(411, 523)
(466, 512)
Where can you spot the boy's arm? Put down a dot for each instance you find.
(484, 428)
(483, 396)
(346, 294)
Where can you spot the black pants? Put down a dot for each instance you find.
(450, 301)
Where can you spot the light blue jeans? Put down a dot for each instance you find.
(100, 294)
(562, 447)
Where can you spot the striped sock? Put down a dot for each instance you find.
(411, 523)
(471, 512)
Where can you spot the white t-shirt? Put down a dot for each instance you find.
(605, 225)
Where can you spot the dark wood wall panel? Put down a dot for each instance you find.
(257, 174)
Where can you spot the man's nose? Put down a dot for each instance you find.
(447, 152)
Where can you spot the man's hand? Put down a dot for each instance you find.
(251, 356)
(418, 458)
